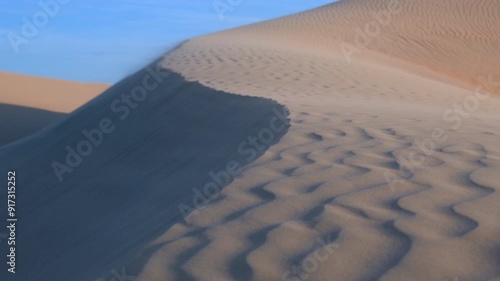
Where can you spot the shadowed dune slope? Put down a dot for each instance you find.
(128, 189)
(17, 122)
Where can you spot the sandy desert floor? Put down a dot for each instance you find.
(358, 141)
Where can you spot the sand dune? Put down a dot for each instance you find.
(150, 169)
(29, 103)
(46, 93)
(458, 38)
(389, 170)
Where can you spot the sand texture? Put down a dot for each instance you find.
(388, 167)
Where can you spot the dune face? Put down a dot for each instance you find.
(388, 170)
(393, 153)
(28, 103)
(162, 150)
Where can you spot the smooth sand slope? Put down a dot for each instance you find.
(389, 170)
(29, 103)
(46, 93)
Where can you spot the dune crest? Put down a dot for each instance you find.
(389, 170)
(390, 154)
(129, 163)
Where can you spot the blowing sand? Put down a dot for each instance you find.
(389, 169)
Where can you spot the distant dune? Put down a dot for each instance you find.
(285, 150)
(458, 38)
(46, 93)
(29, 103)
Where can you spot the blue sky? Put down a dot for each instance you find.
(105, 40)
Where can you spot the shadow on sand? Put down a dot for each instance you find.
(18, 122)
(127, 191)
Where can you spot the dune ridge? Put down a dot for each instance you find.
(345, 170)
(150, 169)
(386, 172)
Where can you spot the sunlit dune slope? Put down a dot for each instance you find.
(457, 38)
(46, 93)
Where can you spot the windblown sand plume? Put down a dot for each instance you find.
(365, 136)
